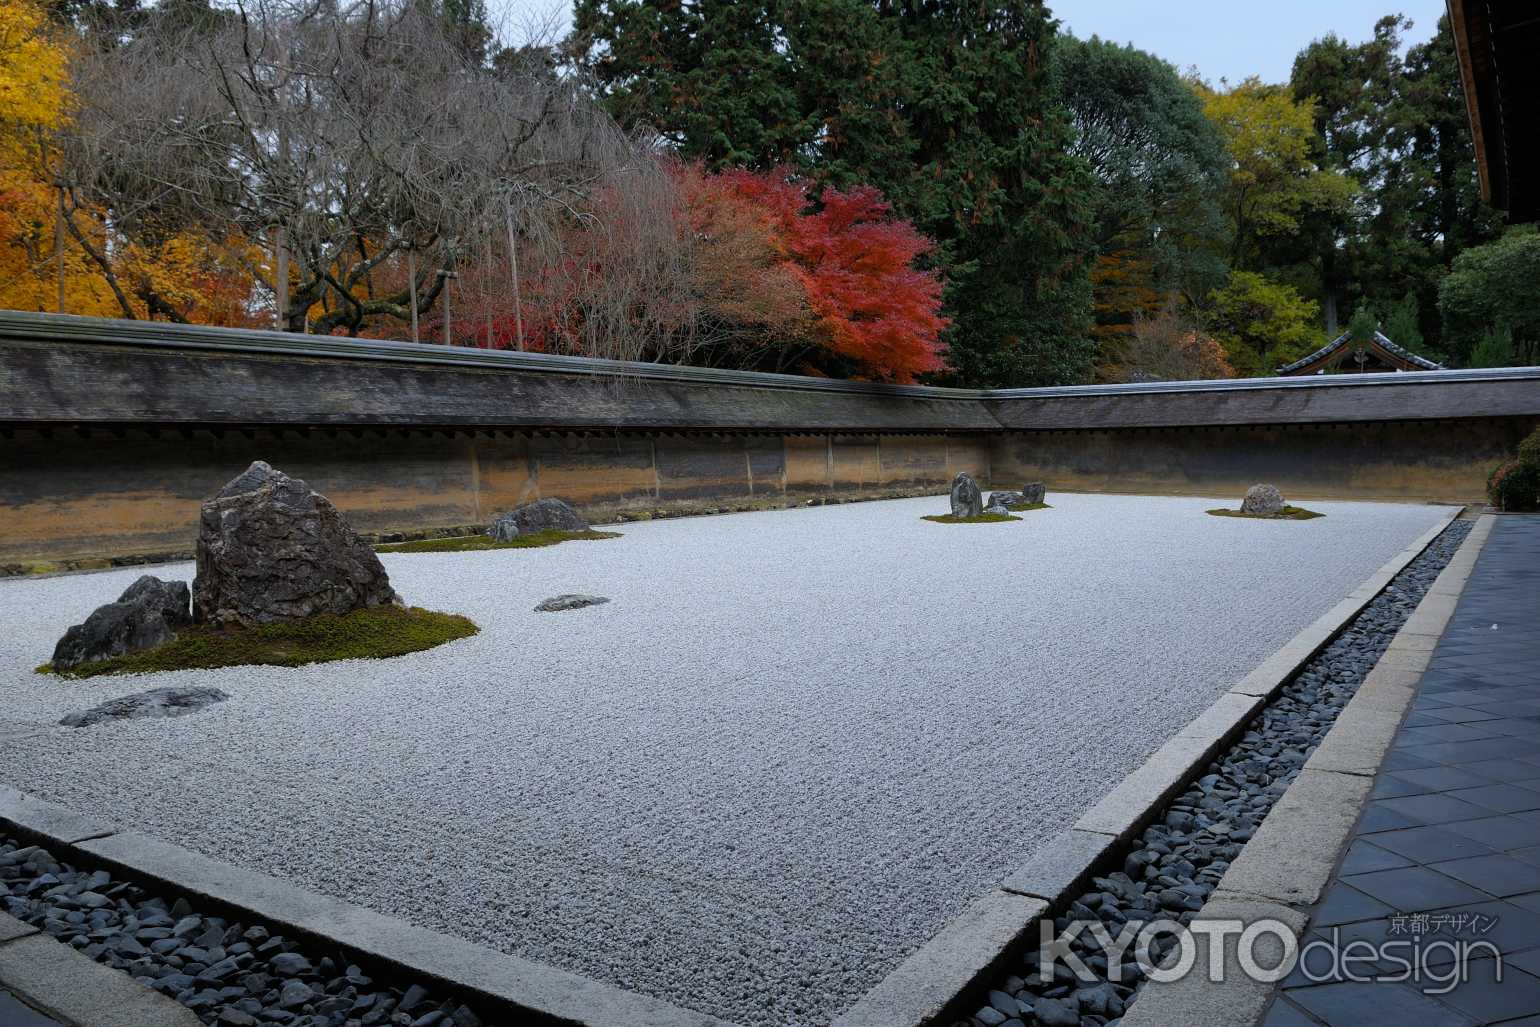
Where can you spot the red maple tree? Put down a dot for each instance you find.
(857, 263)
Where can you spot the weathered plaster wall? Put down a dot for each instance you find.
(76, 498)
(1419, 461)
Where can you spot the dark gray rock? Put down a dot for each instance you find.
(541, 515)
(294, 994)
(1051, 1012)
(570, 601)
(146, 615)
(1262, 499)
(1005, 499)
(967, 500)
(1034, 492)
(157, 702)
(291, 964)
(272, 549)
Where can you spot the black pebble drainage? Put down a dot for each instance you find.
(229, 974)
(1173, 867)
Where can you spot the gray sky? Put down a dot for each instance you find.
(1223, 38)
(1236, 38)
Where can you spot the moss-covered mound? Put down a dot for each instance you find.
(980, 519)
(1024, 507)
(1288, 513)
(471, 543)
(363, 634)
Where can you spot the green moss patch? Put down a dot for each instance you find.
(1024, 507)
(363, 634)
(980, 519)
(472, 543)
(1288, 513)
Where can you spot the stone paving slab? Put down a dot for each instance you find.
(74, 990)
(1451, 830)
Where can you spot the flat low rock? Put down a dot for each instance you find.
(157, 702)
(270, 548)
(147, 614)
(541, 515)
(1006, 499)
(570, 601)
(1262, 499)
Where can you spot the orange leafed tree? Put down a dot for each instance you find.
(857, 265)
(1166, 346)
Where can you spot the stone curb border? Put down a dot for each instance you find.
(1288, 864)
(529, 992)
(938, 980)
(74, 989)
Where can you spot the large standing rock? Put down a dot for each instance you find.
(147, 614)
(271, 549)
(1034, 492)
(967, 500)
(541, 515)
(1262, 499)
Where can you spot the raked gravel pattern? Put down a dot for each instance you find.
(792, 747)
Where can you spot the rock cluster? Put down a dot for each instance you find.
(1171, 869)
(147, 614)
(967, 500)
(229, 974)
(157, 702)
(1031, 494)
(270, 549)
(541, 515)
(1262, 499)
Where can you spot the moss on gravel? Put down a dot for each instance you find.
(1288, 513)
(472, 543)
(363, 634)
(980, 519)
(1024, 507)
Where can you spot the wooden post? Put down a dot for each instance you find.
(513, 261)
(448, 276)
(281, 278)
(411, 284)
(58, 248)
(486, 301)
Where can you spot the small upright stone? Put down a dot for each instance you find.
(967, 500)
(272, 549)
(147, 614)
(541, 515)
(1034, 492)
(1262, 499)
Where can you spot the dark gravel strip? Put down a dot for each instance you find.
(1171, 869)
(228, 973)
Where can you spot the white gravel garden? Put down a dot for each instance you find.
(789, 748)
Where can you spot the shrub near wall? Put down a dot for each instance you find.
(1515, 485)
